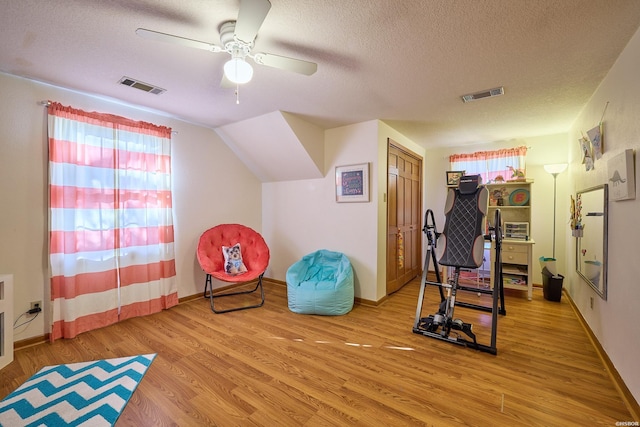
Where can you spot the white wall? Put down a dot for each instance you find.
(300, 217)
(203, 168)
(615, 320)
(542, 150)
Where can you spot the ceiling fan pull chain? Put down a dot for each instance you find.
(237, 94)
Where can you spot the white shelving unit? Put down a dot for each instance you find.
(517, 270)
(517, 244)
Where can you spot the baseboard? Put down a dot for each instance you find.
(628, 399)
(356, 300)
(370, 303)
(30, 342)
(275, 281)
(190, 297)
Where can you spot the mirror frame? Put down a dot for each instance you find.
(600, 289)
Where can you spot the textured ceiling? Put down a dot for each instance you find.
(406, 62)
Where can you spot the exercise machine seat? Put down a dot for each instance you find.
(321, 283)
(461, 243)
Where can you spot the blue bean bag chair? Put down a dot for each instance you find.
(321, 283)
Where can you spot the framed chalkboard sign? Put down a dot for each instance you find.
(352, 183)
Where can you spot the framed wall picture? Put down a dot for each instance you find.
(352, 183)
(453, 178)
(622, 177)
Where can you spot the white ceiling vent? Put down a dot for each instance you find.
(127, 81)
(484, 94)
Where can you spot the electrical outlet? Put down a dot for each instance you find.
(35, 305)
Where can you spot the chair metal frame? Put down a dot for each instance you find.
(208, 286)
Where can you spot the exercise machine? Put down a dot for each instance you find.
(461, 246)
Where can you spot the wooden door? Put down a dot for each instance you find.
(404, 207)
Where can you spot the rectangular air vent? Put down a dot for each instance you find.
(127, 81)
(484, 94)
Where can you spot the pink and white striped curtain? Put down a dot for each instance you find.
(490, 164)
(111, 245)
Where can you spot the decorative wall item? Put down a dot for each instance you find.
(622, 177)
(592, 144)
(400, 250)
(453, 178)
(519, 197)
(352, 183)
(596, 137)
(576, 216)
(587, 156)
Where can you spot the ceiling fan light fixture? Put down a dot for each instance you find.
(238, 71)
(237, 39)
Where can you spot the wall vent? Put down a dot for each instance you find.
(127, 81)
(484, 94)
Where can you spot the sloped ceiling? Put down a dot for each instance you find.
(277, 146)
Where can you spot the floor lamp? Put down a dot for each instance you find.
(554, 170)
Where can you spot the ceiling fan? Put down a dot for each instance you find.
(237, 39)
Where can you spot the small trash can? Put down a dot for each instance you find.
(552, 286)
(548, 266)
(551, 280)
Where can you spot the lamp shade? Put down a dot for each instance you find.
(238, 71)
(555, 168)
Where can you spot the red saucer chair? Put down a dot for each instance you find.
(255, 255)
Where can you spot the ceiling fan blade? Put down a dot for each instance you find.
(170, 38)
(250, 18)
(284, 63)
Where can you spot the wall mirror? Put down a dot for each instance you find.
(591, 247)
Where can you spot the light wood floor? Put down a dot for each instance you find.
(270, 367)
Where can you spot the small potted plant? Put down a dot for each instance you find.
(517, 174)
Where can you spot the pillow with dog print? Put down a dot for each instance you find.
(233, 264)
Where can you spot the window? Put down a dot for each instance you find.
(491, 164)
(111, 239)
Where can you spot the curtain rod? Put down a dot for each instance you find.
(48, 103)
